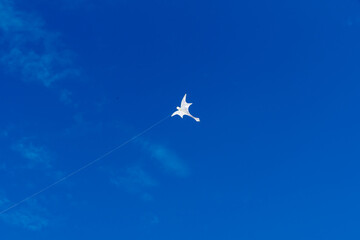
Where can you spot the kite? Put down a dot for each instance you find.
(184, 110)
(181, 111)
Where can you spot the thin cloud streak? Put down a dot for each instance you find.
(135, 180)
(27, 48)
(135, 176)
(37, 156)
(169, 161)
(30, 217)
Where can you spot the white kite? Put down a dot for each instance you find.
(184, 110)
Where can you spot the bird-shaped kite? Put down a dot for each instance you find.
(184, 110)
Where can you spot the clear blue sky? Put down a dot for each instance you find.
(276, 85)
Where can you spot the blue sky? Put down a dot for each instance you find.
(275, 84)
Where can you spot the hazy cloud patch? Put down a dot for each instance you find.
(3, 166)
(37, 156)
(65, 96)
(133, 179)
(29, 49)
(31, 216)
(169, 161)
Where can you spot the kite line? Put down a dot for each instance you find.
(83, 167)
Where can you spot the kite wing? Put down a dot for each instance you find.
(175, 113)
(181, 114)
(184, 104)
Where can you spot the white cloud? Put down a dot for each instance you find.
(26, 220)
(150, 219)
(168, 159)
(4, 133)
(134, 179)
(37, 156)
(31, 216)
(155, 220)
(3, 167)
(65, 96)
(137, 180)
(147, 197)
(28, 49)
(3, 201)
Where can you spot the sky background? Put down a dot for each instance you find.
(275, 84)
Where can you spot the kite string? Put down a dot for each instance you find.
(83, 167)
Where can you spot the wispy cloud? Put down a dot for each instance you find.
(136, 180)
(29, 49)
(143, 176)
(31, 216)
(150, 219)
(353, 21)
(37, 156)
(138, 176)
(168, 159)
(3, 200)
(4, 133)
(65, 96)
(3, 167)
